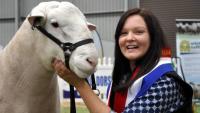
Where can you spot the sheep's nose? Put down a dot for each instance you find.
(92, 61)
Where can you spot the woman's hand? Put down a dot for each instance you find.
(66, 74)
(94, 104)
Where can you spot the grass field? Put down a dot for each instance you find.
(78, 110)
(196, 108)
(80, 107)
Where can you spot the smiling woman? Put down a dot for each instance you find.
(142, 79)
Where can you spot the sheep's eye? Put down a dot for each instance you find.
(55, 24)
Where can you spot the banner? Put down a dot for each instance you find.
(188, 53)
(188, 49)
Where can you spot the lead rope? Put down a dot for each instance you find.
(72, 100)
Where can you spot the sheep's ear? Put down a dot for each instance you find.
(37, 15)
(91, 26)
(36, 20)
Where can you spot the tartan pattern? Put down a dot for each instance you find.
(163, 97)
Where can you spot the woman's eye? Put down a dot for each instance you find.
(55, 24)
(139, 32)
(123, 33)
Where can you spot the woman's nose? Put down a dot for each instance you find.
(130, 36)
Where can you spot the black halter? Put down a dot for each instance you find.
(68, 48)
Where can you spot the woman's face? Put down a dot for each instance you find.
(134, 40)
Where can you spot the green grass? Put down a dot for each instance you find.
(78, 110)
(80, 107)
(196, 108)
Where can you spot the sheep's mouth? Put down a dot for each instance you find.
(84, 73)
(89, 70)
(84, 68)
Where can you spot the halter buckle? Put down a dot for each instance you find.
(68, 52)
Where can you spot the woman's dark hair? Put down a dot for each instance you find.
(122, 72)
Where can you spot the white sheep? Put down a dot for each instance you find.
(28, 83)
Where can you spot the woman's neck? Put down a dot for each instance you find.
(132, 65)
